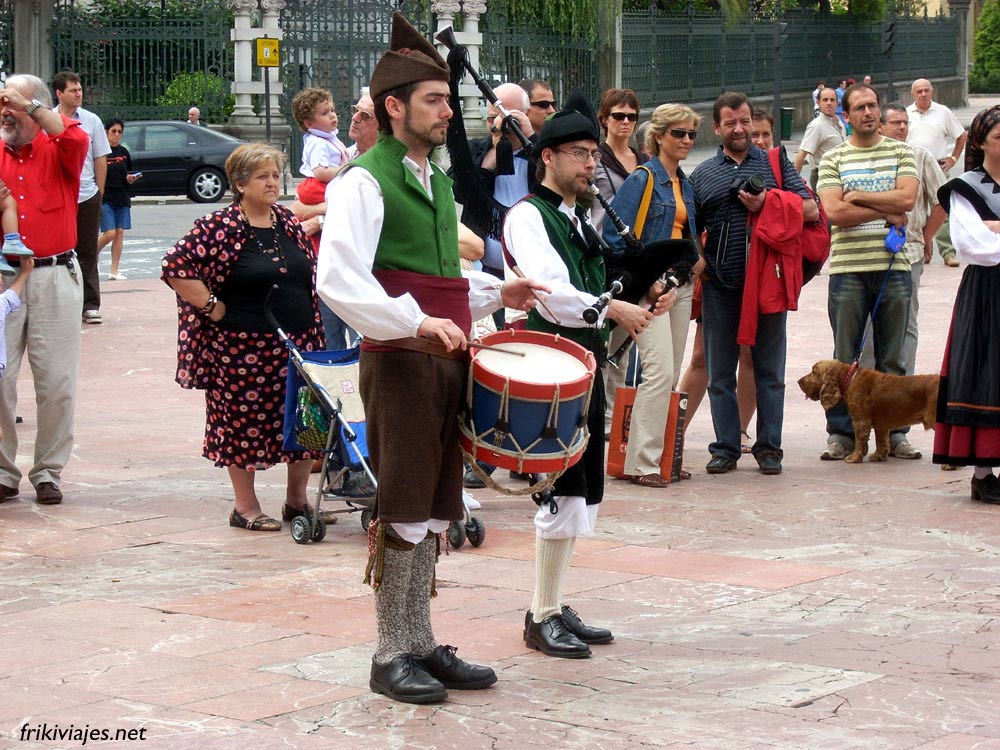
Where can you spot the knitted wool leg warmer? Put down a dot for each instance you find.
(390, 601)
(552, 558)
(418, 601)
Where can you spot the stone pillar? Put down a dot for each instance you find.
(609, 35)
(33, 51)
(444, 12)
(245, 122)
(243, 86)
(960, 10)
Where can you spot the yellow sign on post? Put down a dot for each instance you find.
(268, 53)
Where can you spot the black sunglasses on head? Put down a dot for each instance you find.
(622, 116)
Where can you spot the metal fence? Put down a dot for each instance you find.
(513, 52)
(151, 67)
(6, 38)
(694, 56)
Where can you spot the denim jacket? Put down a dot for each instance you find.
(660, 219)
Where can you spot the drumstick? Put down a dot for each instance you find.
(520, 274)
(474, 345)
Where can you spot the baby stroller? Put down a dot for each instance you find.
(323, 412)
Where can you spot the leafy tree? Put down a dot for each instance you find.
(985, 77)
(200, 89)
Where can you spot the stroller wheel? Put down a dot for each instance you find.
(319, 533)
(366, 518)
(476, 531)
(456, 534)
(300, 530)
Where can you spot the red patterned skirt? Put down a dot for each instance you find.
(245, 403)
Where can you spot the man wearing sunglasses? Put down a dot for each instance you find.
(541, 102)
(722, 210)
(364, 128)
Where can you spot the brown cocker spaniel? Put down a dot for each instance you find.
(874, 399)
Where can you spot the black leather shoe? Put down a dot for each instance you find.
(586, 633)
(987, 489)
(769, 462)
(720, 465)
(471, 481)
(404, 680)
(553, 638)
(455, 674)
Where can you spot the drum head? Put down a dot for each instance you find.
(538, 364)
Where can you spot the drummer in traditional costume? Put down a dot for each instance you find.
(389, 267)
(967, 432)
(549, 237)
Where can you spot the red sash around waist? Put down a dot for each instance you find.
(437, 296)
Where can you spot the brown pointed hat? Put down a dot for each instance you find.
(410, 59)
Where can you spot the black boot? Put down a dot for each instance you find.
(987, 489)
(403, 679)
(453, 673)
(553, 638)
(585, 633)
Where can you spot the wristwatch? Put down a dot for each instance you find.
(35, 104)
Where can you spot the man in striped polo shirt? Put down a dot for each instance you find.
(866, 184)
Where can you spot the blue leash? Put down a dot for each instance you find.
(894, 244)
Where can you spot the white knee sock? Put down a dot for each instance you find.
(552, 558)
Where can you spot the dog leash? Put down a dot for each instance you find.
(896, 246)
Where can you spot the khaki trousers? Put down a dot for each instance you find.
(661, 351)
(47, 326)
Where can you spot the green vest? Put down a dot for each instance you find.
(412, 220)
(586, 270)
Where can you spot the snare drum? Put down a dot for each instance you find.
(528, 413)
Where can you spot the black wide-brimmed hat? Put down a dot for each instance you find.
(409, 59)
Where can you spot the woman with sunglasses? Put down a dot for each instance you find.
(618, 115)
(670, 215)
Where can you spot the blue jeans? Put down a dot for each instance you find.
(852, 297)
(721, 320)
(338, 334)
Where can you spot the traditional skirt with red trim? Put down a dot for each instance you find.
(967, 430)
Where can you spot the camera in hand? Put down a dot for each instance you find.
(753, 185)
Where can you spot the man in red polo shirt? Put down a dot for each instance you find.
(40, 164)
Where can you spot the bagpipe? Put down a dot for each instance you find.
(630, 273)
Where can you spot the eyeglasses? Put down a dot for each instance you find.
(581, 154)
(679, 133)
(544, 104)
(364, 114)
(622, 116)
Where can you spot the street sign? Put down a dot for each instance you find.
(268, 52)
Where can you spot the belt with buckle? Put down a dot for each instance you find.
(62, 259)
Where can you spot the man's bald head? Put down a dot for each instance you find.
(512, 96)
(923, 92)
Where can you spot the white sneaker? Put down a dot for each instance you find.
(92, 316)
(470, 502)
(117, 277)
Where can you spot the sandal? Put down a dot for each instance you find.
(650, 480)
(747, 446)
(288, 513)
(684, 474)
(262, 522)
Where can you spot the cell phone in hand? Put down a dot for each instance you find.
(135, 175)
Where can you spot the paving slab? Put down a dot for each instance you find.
(831, 607)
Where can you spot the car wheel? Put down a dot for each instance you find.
(207, 185)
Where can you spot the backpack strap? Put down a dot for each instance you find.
(774, 156)
(647, 197)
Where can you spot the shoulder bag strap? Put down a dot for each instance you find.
(647, 197)
(774, 156)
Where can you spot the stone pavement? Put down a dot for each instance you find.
(831, 607)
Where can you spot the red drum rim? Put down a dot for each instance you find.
(486, 377)
(528, 463)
